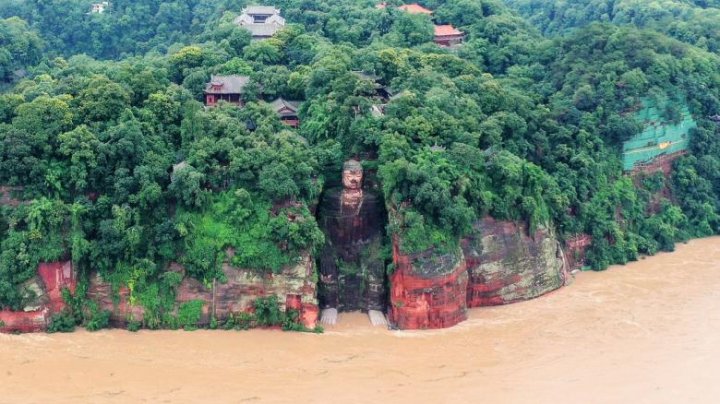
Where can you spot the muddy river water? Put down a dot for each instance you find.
(648, 332)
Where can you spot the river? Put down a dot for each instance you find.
(648, 332)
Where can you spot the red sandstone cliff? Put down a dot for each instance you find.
(575, 249)
(295, 288)
(117, 303)
(502, 264)
(47, 286)
(506, 264)
(427, 291)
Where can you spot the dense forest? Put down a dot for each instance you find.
(120, 167)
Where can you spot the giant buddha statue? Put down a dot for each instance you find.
(352, 275)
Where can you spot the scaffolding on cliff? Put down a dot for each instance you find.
(660, 136)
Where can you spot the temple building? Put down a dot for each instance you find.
(99, 8)
(287, 111)
(262, 21)
(447, 35)
(226, 88)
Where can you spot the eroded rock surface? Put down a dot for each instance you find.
(506, 264)
(44, 298)
(118, 303)
(501, 264)
(295, 288)
(575, 250)
(428, 290)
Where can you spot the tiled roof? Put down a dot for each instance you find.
(279, 104)
(232, 84)
(261, 10)
(414, 8)
(447, 30)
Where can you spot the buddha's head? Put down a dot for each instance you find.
(352, 175)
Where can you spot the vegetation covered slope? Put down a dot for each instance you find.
(696, 22)
(19, 48)
(125, 171)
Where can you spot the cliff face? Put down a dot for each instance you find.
(101, 292)
(427, 291)
(47, 287)
(503, 264)
(295, 288)
(507, 265)
(575, 249)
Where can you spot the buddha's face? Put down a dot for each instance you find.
(352, 179)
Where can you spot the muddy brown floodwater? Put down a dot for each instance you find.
(648, 332)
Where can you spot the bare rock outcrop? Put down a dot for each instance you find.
(502, 263)
(46, 290)
(428, 290)
(507, 264)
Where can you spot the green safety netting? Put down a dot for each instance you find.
(660, 136)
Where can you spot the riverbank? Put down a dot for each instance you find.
(647, 332)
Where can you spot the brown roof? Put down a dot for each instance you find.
(232, 84)
(261, 10)
(280, 105)
(447, 30)
(414, 8)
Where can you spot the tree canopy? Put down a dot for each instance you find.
(124, 170)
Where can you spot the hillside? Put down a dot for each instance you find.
(111, 159)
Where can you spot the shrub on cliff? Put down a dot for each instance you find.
(96, 319)
(189, 314)
(258, 236)
(267, 312)
(62, 322)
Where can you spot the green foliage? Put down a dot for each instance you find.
(19, 47)
(61, 322)
(97, 319)
(189, 314)
(259, 236)
(291, 321)
(411, 29)
(418, 236)
(157, 298)
(124, 171)
(36, 233)
(692, 22)
(134, 326)
(238, 321)
(267, 312)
